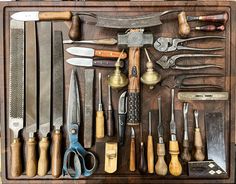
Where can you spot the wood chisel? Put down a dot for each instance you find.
(160, 167)
(150, 153)
(110, 117)
(31, 105)
(107, 41)
(132, 157)
(57, 103)
(44, 44)
(16, 93)
(175, 167)
(100, 113)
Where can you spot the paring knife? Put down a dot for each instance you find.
(89, 52)
(122, 113)
(57, 102)
(41, 16)
(89, 62)
(16, 93)
(108, 41)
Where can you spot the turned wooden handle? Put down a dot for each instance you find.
(109, 54)
(56, 154)
(110, 123)
(210, 28)
(16, 162)
(55, 15)
(175, 167)
(43, 157)
(99, 124)
(185, 155)
(142, 163)
(132, 166)
(161, 167)
(198, 155)
(75, 32)
(31, 162)
(150, 155)
(215, 18)
(184, 28)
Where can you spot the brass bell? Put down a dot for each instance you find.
(150, 77)
(117, 79)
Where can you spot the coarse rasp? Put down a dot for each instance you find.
(16, 93)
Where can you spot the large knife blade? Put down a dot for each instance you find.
(44, 41)
(16, 93)
(57, 102)
(31, 97)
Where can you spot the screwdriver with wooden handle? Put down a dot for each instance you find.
(150, 153)
(175, 167)
(100, 113)
(198, 155)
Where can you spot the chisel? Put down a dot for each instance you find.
(132, 161)
(99, 114)
(150, 153)
(110, 118)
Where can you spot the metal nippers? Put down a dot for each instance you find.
(164, 44)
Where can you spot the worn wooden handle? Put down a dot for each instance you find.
(16, 162)
(184, 28)
(210, 28)
(150, 155)
(161, 167)
(43, 157)
(215, 18)
(31, 162)
(109, 54)
(99, 124)
(132, 165)
(55, 15)
(185, 155)
(110, 123)
(75, 32)
(198, 155)
(142, 163)
(109, 41)
(56, 154)
(175, 167)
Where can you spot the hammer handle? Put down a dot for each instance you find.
(222, 18)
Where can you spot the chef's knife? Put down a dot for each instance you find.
(89, 62)
(16, 93)
(31, 97)
(89, 52)
(44, 41)
(41, 16)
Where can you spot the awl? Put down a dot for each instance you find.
(89, 52)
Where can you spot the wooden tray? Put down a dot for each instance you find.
(148, 97)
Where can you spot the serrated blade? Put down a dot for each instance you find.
(81, 51)
(58, 80)
(85, 62)
(16, 78)
(26, 16)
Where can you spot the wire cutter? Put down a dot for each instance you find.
(163, 44)
(76, 152)
(177, 81)
(170, 62)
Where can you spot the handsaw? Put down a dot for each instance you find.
(16, 93)
(44, 43)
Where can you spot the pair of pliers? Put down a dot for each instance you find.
(76, 152)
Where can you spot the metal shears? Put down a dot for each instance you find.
(76, 152)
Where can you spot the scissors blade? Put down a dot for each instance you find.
(73, 101)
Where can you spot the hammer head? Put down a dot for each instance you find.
(135, 39)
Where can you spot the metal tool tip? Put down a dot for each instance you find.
(132, 132)
(196, 112)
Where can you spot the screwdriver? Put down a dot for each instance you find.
(199, 155)
(175, 167)
(99, 114)
(110, 120)
(150, 154)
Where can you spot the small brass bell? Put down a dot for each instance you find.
(150, 77)
(118, 79)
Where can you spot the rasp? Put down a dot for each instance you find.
(44, 43)
(16, 93)
(57, 102)
(31, 96)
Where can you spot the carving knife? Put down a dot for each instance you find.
(41, 16)
(89, 62)
(31, 97)
(132, 160)
(89, 52)
(57, 102)
(122, 112)
(16, 93)
(44, 41)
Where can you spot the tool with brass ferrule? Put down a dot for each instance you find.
(185, 155)
(160, 167)
(16, 93)
(110, 117)
(122, 112)
(150, 153)
(31, 105)
(175, 167)
(100, 113)
(198, 155)
(132, 157)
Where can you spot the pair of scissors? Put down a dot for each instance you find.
(76, 153)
